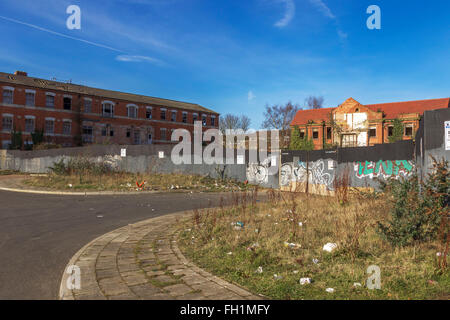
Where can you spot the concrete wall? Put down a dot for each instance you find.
(139, 158)
(430, 140)
(364, 166)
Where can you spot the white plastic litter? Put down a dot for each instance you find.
(300, 224)
(329, 247)
(329, 290)
(295, 271)
(277, 277)
(304, 281)
(229, 253)
(357, 284)
(315, 261)
(259, 270)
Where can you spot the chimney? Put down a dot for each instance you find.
(21, 73)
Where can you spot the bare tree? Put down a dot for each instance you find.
(233, 122)
(279, 117)
(245, 123)
(313, 102)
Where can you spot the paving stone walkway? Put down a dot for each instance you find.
(142, 261)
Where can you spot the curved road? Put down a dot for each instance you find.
(40, 233)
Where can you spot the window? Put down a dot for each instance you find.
(8, 96)
(7, 122)
(67, 127)
(328, 133)
(128, 133)
(137, 137)
(111, 133)
(108, 109)
(132, 111)
(204, 119)
(67, 102)
(163, 114)
(87, 105)
(148, 113)
(174, 116)
(163, 134)
(29, 124)
(87, 134)
(302, 134)
(213, 121)
(372, 132)
(184, 117)
(194, 117)
(390, 131)
(50, 100)
(29, 98)
(6, 144)
(49, 126)
(315, 134)
(103, 131)
(408, 131)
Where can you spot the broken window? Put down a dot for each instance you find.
(328, 133)
(163, 114)
(174, 116)
(194, 117)
(148, 113)
(408, 131)
(390, 131)
(87, 134)
(315, 134)
(372, 132)
(67, 103)
(108, 110)
(302, 134)
(184, 117)
(204, 119)
(87, 105)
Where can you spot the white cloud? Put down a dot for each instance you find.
(323, 8)
(135, 58)
(250, 96)
(289, 14)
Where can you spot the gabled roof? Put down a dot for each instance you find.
(391, 110)
(394, 109)
(102, 93)
(317, 115)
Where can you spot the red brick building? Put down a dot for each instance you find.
(353, 124)
(70, 114)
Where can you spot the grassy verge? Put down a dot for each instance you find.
(214, 241)
(118, 181)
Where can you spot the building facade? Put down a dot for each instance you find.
(355, 125)
(73, 115)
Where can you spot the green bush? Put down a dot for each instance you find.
(418, 207)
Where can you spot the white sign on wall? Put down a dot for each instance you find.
(240, 159)
(161, 154)
(447, 135)
(123, 153)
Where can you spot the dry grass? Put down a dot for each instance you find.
(407, 273)
(119, 181)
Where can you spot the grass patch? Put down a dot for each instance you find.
(214, 241)
(120, 181)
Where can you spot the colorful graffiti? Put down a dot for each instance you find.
(316, 169)
(385, 169)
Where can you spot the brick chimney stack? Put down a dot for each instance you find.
(21, 73)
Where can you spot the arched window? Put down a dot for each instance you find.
(108, 109)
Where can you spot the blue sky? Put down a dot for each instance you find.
(236, 56)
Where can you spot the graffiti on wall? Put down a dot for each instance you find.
(258, 172)
(385, 169)
(316, 172)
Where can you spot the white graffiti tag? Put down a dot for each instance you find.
(315, 173)
(259, 173)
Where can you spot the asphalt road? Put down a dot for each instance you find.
(40, 233)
